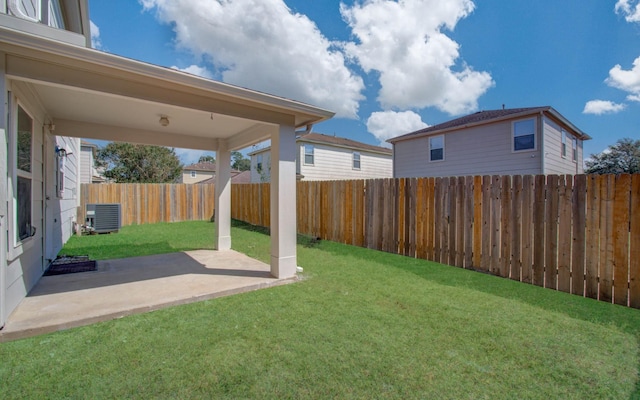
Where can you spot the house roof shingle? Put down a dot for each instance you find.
(321, 138)
(343, 142)
(201, 166)
(483, 117)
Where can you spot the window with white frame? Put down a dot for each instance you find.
(23, 168)
(436, 148)
(259, 163)
(563, 147)
(193, 174)
(356, 160)
(524, 135)
(574, 149)
(308, 154)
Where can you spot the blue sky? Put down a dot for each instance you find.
(390, 67)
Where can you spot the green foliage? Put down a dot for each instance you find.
(620, 158)
(207, 158)
(239, 163)
(136, 163)
(360, 324)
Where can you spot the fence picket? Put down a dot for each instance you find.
(576, 234)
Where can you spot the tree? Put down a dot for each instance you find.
(209, 159)
(621, 158)
(239, 162)
(136, 163)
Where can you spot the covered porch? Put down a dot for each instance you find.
(92, 94)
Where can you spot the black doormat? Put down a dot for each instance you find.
(69, 265)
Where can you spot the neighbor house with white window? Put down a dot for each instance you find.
(326, 157)
(201, 171)
(518, 141)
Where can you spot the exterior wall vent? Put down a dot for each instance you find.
(103, 218)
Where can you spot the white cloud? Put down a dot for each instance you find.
(196, 70)
(263, 45)
(189, 156)
(599, 107)
(627, 80)
(96, 42)
(404, 41)
(387, 124)
(630, 9)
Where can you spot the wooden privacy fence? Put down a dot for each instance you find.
(151, 203)
(577, 234)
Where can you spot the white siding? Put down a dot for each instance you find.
(333, 163)
(86, 164)
(482, 150)
(265, 174)
(330, 163)
(554, 163)
(25, 263)
(200, 176)
(53, 213)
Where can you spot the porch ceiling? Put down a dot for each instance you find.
(92, 94)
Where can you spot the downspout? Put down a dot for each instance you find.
(541, 134)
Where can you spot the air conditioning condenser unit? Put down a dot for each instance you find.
(103, 218)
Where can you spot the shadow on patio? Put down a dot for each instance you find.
(134, 285)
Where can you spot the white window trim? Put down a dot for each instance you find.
(193, 174)
(574, 149)
(17, 247)
(353, 161)
(429, 148)
(313, 154)
(563, 143)
(535, 135)
(14, 7)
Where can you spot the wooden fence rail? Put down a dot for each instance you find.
(151, 203)
(577, 234)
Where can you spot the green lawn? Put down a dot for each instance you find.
(362, 324)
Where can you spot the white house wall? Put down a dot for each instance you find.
(554, 163)
(481, 150)
(25, 262)
(61, 208)
(86, 164)
(332, 163)
(265, 174)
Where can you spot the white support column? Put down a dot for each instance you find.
(283, 202)
(223, 198)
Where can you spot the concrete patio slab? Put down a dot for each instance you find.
(135, 285)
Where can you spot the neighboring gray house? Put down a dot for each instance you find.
(325, 157)
(517, 141)
(88, 171)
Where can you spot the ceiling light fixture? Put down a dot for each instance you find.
(164, 120)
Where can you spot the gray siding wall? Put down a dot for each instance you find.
(482, 150)
(86, 164)
(554, 163)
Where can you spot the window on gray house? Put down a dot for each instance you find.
(356, 160)
(524, 136)
(193, 174)
(563, 149)
(436, 148)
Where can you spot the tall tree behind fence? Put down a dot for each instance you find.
(577, 234)
(151, 203)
